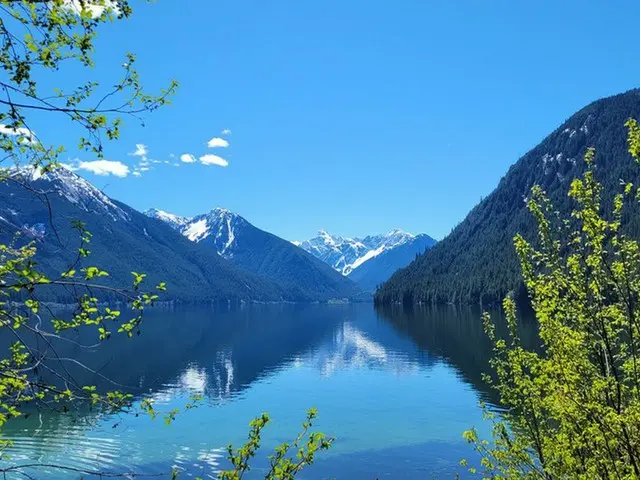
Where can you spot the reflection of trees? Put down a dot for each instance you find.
(221, 352)
(456, 335)
(216, 351)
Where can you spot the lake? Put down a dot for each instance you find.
(396, 388)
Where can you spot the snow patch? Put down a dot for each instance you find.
(347, 254)
(175, 221)
(74, 188)
(37, 230)
(230, 236)
(197, 231)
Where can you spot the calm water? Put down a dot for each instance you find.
(396, 389)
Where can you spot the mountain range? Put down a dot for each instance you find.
(371, 260)
(123, 240)
(221, 256)
(347, 254)
(374, 272)
(476, 262)
(215, 256)
(262, 253)
(368, 261)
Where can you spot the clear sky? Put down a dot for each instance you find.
(356, 116)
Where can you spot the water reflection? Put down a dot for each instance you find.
(456, 335)
(352, 347)
(218, 352)
(413, 374)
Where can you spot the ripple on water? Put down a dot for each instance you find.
(69, 446)
(72, 447)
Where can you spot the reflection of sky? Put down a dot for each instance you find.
(353, 373)
(203, 462)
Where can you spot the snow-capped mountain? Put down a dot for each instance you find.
(265, 254)
(174, 221)
(347, 254)
(44, 207)
(65, 183)
(188, 258)
(377, 270)
(217, 227)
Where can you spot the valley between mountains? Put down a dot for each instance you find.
(215, 256)
(220, 255)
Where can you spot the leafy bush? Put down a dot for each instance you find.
(573, 410)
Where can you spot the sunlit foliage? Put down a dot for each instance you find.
(287, 460)
(40, 38)
(573, 410)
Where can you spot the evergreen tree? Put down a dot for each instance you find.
(573, 409)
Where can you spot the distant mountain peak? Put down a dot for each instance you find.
(175, 221)
(219, 224)
(222, 211)
(399, 231)
(346, 254)
(193, 273)
(73, 187)
(330, 239)
(262, 253)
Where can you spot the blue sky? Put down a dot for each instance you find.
(356, 116)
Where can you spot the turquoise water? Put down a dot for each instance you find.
(395, 388)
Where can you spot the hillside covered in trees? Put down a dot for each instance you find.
(43, 209)
(477, 263)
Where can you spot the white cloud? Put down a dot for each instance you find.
(103, 167)
(141, 151)
(210, 159)
(18, 132)
(94, 7)
(136, 174)
(144, 169)
(226, 131)
(217, 142)
(187, 158)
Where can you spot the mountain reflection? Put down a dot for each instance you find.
(456, 336)
(220, 352)
(213, 352)
(349, 360)
(352, 346)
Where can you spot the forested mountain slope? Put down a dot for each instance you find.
(123, 240)
(477, 261)
(295, 271)
(377, 270)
